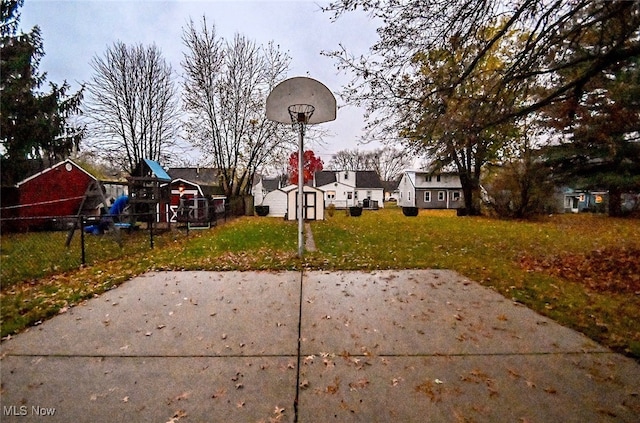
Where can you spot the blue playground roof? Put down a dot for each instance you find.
(157, 170)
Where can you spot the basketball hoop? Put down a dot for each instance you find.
(300, 113)
(295, 100)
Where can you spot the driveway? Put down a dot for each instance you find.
(408, 345)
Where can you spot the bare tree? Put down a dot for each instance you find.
(225, 88)
(387, 162)
(132, 105)
(390, 162)
(456, 76)
(352, 160)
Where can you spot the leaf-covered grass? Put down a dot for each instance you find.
(38, 254)
(505, 255)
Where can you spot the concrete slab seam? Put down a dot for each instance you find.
(297, 397)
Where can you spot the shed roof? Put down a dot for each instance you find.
(64, 162)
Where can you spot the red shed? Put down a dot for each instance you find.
(56, 191)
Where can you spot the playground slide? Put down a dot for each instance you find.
(115, 211)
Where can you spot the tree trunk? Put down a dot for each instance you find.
(471, 192)
(615, 202)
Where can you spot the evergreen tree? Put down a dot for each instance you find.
(601, 145)
(33, 123)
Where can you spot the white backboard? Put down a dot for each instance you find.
(301, 90)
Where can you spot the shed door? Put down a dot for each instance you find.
(309, 205)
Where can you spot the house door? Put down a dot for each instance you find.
(575, 204)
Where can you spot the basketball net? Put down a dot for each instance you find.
(300, 114)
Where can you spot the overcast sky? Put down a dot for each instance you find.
(74, 31)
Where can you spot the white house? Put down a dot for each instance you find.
(349, 188)
(426, 190)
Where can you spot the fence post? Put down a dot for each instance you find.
(84, 261)
(151, 217)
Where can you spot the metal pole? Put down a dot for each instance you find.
(84, 258)
(300, 189)
(151, 217)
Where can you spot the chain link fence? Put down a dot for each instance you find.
(32, 248)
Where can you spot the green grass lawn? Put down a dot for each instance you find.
(512, 257)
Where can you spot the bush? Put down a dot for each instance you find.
(331, 210)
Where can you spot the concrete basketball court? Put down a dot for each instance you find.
(401, 346)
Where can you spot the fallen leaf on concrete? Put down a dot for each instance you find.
(332, 389)
(182, 396)
(513, 373)
(177, 416)
(360, 384)
(219, 393)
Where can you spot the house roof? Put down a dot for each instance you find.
(368, 179)
(270, 184)
(325, 177)
(390, 186)
(199, 175)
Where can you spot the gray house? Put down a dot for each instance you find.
(426, 190)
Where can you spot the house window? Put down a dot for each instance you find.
(455, 196)
(427, 178)
(349, 195)
(408, 195)
(331, 195)
(346, 175)
(438, 178)
(427, 196)
(442, 195)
